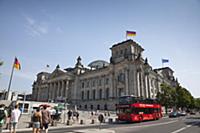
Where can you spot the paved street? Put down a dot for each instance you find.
(188, 124)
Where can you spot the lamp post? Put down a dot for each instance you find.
(23, 102)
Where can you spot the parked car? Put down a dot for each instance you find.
(192, 113)
(173, 114)
(182, 113)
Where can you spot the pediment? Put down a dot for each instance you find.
(57, 73)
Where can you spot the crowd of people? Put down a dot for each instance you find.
(10, 117)
(41, 120)
(42, 117)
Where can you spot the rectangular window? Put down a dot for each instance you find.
(93, 83)
(107, 81)
(99, 82)
(94, 94)
(107, 93)
(82, 84)
(88, 84)
(88, 95)
(100, 94)
(82, 95)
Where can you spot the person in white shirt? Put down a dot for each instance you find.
(15, 115)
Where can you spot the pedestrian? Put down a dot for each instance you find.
(77, 116)
(37, 121)
(108, 114)
(46, 118)
(101, 120)
(14, 119)
(92, 113)
(69, 113)
(9, 110)
(3, 116)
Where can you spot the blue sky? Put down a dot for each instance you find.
(41, 32)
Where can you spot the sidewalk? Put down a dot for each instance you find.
(85, 118)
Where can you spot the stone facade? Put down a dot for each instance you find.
(101, 84)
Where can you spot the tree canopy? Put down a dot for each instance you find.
(177, 97)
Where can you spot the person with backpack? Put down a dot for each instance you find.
(37, 121)
(3, 116)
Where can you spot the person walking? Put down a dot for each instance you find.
(15, 116)
(46, 118)
(69, 113)
(3, 116)
(37, 121)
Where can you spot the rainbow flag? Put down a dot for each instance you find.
(17, 64)
(130, 33)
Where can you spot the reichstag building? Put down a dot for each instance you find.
(99, 85)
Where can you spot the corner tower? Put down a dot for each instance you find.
(129, 50)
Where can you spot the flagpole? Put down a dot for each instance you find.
(9, 85)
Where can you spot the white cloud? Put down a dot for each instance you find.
(35, 28)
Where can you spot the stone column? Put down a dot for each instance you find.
(126, 82)
(55, 90)
(48, 94)
(67, 89)
(62, 88)
(146, 86)
(138, 84)
(150, 88)
(111, 86)
(52, 91)
(141, 85)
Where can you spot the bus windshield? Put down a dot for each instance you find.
(128, 100)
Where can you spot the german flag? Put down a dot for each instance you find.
(130, 33)
(17, 64)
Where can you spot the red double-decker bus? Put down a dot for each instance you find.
(134, 109)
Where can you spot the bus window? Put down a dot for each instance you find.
(125, 110)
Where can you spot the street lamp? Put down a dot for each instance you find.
(23, 102)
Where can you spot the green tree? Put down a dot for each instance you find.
(1, 63)
(167, 96)
(197, 103)
(184, 98)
